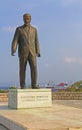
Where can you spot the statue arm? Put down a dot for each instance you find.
(37, 45)
(14, 42)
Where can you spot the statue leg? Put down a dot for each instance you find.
(33, 69)
(22, 71)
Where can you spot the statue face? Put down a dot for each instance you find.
(27, 19)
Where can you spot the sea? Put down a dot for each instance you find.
(54, 89)
(4, 87)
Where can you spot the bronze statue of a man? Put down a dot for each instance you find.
(26, 38)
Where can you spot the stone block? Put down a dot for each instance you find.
(29, 98)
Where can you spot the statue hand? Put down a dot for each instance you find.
(38, 55)
(12, 54)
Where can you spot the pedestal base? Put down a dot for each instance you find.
(29, 98)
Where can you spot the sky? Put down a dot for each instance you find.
(59, 25)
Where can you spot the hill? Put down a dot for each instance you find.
(75, 87)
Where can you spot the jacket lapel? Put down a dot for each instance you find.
(24, 34)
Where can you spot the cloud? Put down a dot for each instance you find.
(77, 24)
(69, 2)
(73, 60)
(65, 3)
(9, 29)
(47, 65)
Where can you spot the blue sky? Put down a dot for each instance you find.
(59, 24)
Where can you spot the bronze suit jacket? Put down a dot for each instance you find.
(26, 41)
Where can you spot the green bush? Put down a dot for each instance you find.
(3, 91)
(12, 87)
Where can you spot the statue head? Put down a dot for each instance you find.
(27, 19)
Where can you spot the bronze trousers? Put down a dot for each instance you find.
(22, 70)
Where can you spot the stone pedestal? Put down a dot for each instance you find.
(29, 98)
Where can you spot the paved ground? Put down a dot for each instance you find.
(63, 115)
(70, 103)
